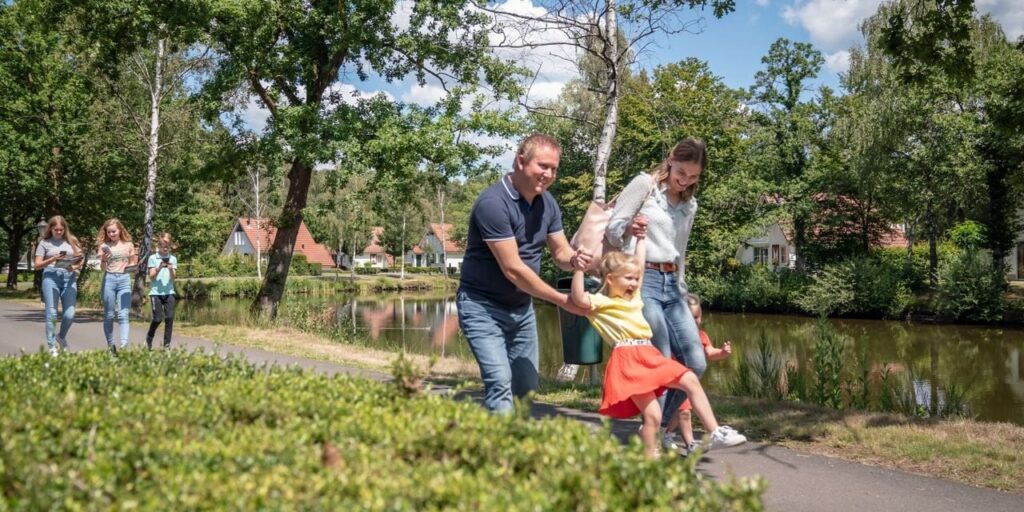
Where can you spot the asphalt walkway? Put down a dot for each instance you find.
(796, 481)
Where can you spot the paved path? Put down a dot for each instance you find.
(796, 481)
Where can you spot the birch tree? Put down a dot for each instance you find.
(609, 31)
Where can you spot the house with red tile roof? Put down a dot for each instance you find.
(374, 255)
(437, 249)
(776, 246)
(252, 235)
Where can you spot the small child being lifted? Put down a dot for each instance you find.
(637, 372)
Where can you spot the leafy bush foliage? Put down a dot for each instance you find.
(236, 265)
(186, 431)
(750, 288)
(865, 286)
(970, 288)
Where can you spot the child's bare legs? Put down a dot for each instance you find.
(689, 383)
(651, 413)
(686, 426)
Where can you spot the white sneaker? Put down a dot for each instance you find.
(54, 351)
(670, 441)
(724, 437)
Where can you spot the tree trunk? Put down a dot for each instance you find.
(14, 242)
(401, 251)
(444, 250)
(611, 112)
(153, 152)
(280, 259)
(933, 253)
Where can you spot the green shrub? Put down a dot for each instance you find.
(188, 431)
(750, 288)
(828, 367)
(970, 288)
(237, 265)
(863, 286)
(761, 373)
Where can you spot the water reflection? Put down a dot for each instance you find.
(981, 366)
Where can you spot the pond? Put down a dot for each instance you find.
(981, 366)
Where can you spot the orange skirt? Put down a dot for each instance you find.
(636, 370)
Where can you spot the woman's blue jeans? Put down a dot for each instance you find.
(117, 293)
(504, 342)
(675, 332)
(59, 286)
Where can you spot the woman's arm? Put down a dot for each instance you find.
(627, 206)
(641, 256)
(682, 240)
(579, 292)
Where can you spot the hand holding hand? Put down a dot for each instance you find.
(639, 226)
(581, 259)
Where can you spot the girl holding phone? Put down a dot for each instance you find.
(59, 256)
(117, 260)
(163, 268)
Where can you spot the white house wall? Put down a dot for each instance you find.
(772, 236)
(233, 246)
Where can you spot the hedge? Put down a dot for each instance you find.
(184, 431)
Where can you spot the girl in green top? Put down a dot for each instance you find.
(163, 268)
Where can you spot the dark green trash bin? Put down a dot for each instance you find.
(580, 342)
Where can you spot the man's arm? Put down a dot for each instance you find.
(524, 278)
(564, 255)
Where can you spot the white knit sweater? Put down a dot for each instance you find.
(668, 227)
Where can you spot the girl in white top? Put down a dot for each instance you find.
(59, 256)
(117, 260)
(665, 197)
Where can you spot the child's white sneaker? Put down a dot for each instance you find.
(670, 441)
(724, 437)
(54, 351)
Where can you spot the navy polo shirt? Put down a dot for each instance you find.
(500, 213)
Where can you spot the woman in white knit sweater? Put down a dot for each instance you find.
(662, 203)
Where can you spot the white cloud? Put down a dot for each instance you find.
(832, 24)
(761, 3)
(424, 95)
(838, 62)
(835, 24)
(1009, 14)
(254, 116)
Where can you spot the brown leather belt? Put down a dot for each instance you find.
(663, 267)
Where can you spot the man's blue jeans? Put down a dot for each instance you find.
(675, 331)
(117, 296)
(504, 342)
(59, 286)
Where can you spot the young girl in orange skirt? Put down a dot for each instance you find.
(637, 373)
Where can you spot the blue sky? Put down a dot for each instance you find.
(732, 46)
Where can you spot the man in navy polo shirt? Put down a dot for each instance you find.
(510, 224)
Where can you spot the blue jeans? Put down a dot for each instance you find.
(675, 331)
(117, 292)
(59, 285)
(504, 342)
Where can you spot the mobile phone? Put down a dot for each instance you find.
(63, 253)
(106, 249)
(167, 259)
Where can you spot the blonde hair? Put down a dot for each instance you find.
(689, 150)
(101, 237)
(693, 300)
(617, 263)
(166, 238)
(531, 144)
(55, 220)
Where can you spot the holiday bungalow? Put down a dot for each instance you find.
(373, 254)
(776, 246)
(251, 236)
(436, 249)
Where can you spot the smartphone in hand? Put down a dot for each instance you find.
(63, 254)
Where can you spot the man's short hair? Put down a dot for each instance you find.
(529, 146)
